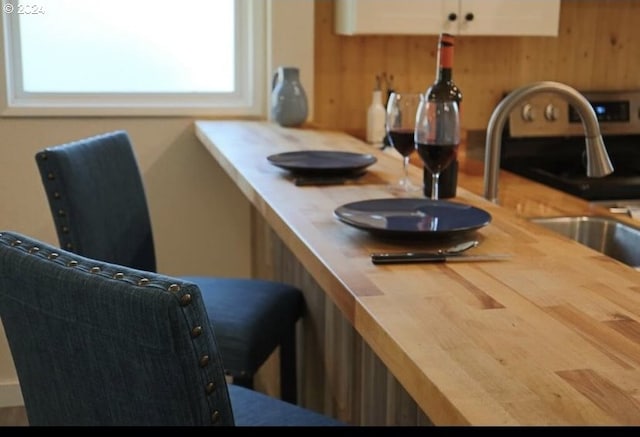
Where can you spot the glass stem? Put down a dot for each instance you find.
(405, 169)
(434, 185)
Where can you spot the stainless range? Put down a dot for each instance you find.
(544, 141)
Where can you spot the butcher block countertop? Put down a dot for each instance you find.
(548, 337)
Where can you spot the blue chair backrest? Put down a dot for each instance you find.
(95, 343)
(97, 198)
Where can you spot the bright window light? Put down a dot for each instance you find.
(132, 54)
(129, 46)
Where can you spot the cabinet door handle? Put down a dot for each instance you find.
(453, 16)
(469, 16)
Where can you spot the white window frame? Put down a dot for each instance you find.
(250, 100)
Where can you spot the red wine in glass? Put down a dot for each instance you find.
(437, 136)
(400, 127)
(402, 140)
(436, 157)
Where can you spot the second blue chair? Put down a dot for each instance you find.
(99, 206)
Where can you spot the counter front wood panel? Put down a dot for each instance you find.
(551, 336)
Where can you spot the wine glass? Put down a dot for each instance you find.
(437, 136)
(400, 126)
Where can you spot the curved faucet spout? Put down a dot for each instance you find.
(598, 162)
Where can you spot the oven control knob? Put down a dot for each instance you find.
(528, 114)
(551, 112)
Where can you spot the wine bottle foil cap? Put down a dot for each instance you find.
(445, 55)
(446, 39)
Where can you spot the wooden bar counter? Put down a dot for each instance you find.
(548, 337)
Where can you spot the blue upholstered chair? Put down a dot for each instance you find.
(96, 343)
(97, 198)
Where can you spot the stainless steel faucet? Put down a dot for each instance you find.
(598, 162)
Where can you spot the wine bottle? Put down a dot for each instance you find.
(444, 89)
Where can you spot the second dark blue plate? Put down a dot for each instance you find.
(412, 217)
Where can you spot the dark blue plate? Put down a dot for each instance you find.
(412, 217)
(323, 162)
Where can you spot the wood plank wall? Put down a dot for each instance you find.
(598, 48)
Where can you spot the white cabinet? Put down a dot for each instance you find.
(459, 17)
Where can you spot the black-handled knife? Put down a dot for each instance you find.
(419, 257)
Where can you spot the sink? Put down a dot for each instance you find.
(607, 235)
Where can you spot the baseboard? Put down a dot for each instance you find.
(10, 395)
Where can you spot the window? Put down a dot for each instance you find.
(125, 57)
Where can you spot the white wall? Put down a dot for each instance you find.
(200, 219)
